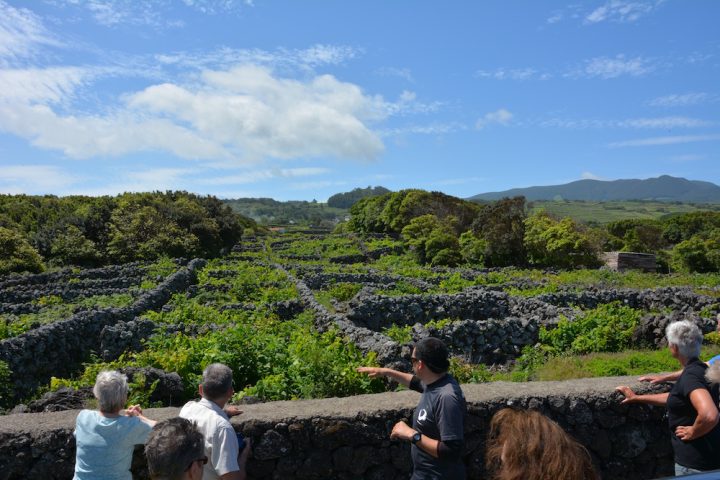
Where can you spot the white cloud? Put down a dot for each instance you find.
(649, 123)
(682, 100)
(513, 74)
(664, 122)
(244, 114)
(591, 176)
(621, 11)
(689, 157)
(431, 129)
(501, 117)
(403, 73)
(51, 85)
(22, 34)
(669, 140)
(607, 67)
(316, 185)
(281, 58)
(16, 179)
(263, 175)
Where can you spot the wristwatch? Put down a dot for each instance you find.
(416, 438)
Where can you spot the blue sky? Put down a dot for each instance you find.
(298, 100)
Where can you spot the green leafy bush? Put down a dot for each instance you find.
(344, 291)
(607, 328)
(398, 333)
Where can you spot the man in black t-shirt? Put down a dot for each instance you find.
(437, 432)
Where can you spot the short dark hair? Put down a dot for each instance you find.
(433, 353)
(172, 446)
(217, 380)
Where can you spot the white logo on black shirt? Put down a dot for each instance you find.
(422, 416)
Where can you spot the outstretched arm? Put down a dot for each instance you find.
(376, 372)
(657, 399)
(661, 377)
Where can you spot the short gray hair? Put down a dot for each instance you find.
(686, 336)
(111, 390)
(217, 380)
(171, 447)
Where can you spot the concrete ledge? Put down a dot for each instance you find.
(347, 438)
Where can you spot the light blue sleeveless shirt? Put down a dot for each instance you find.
(105, 445)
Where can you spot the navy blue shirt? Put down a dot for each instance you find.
(440, 415)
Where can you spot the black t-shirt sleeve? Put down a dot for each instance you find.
(694, 379)
(450, 418)
(416, 384)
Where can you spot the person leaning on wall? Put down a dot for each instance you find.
(437, 432)
(105, 438)
(175, 450)
(526, 445)
(691, 404)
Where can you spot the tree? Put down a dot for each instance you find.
(557, 243)
(70, 247)
(700, 253)
(501, 225)
(472, 248)
(16, 253)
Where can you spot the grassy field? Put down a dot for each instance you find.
(605, 212)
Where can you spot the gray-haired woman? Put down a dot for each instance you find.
(106, 437)
(691, 404)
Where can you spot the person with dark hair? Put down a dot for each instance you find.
(175, 450)
(526, 445)
(691, 404)
(437, 432)
(226, 460)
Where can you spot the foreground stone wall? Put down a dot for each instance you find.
(348, 437)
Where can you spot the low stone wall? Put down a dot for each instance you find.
(348, 437)
(58, 349)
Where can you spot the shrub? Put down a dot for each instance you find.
(607, 328)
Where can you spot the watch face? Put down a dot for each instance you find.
(416, 437)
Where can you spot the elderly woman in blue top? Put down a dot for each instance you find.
(106, 437)
(691, 404)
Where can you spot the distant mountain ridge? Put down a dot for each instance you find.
(664, 188)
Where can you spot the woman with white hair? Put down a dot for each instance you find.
(691, 404)
(106, 437)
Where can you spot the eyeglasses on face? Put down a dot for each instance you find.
(414, 360)
(203, 460)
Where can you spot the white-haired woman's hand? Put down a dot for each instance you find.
(628, 392)
(133, 411)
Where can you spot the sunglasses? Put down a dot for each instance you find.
(203, 459)
(414, 360)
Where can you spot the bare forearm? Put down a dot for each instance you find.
(400, 377)
(657, 399)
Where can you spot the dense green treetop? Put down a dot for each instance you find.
(348, 199)
(90, 231)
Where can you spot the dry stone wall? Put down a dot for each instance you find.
(347, 438)
(58, 349)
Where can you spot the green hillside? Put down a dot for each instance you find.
(606, 212)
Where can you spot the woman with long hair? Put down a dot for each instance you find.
(526, 445)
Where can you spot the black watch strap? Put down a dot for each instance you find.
(416, 438)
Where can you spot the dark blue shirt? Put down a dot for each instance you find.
(440, 415)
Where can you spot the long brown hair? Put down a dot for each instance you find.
(526, 445)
